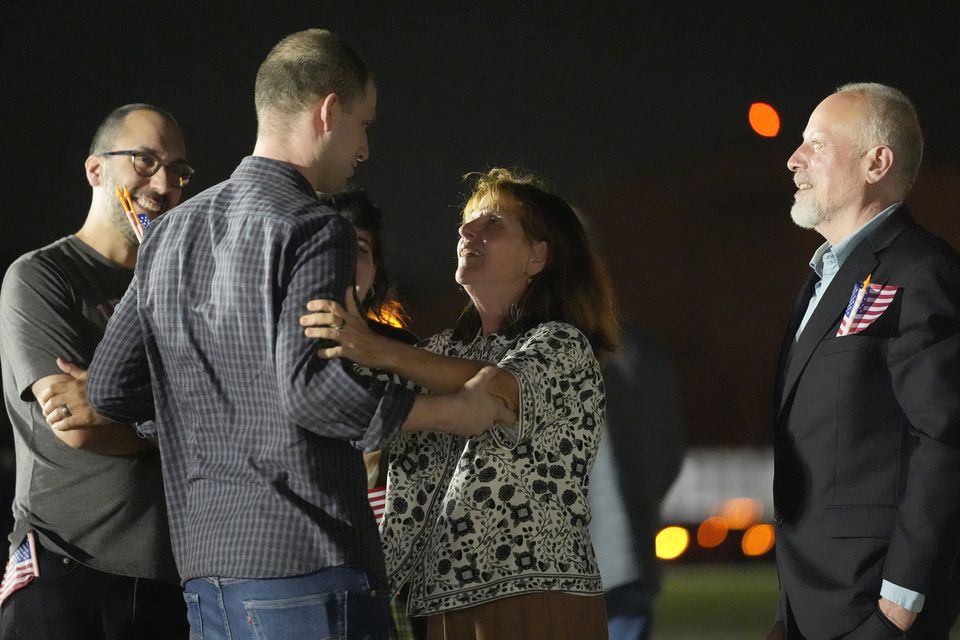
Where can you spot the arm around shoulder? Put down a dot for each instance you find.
(356, 341)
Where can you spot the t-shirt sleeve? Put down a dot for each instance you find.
(38, 323)
(558, 376)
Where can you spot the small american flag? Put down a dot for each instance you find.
(21, 568)
(378, 500)
(867, 303)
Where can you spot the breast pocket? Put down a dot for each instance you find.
(844, 344)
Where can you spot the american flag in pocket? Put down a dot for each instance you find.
(21, 568)
(867, 303)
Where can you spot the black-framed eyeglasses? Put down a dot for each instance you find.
(146, 164)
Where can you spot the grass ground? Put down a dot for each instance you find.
(719, 602)
(716, 602)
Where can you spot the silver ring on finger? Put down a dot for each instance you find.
(65, 411)
(341, 325)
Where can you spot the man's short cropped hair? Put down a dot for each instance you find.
(303, 67)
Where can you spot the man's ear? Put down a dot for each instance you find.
(538, 259)
(93, 167)
(880, 161)
(325, 111)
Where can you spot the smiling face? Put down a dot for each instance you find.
(495, 258)
(142, 130)
(829, 167)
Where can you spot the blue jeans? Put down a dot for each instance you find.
(335, 603)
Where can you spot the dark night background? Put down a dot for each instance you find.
(637, 112)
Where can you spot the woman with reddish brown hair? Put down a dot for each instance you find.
(490, 532)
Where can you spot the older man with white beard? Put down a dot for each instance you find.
(868, 425)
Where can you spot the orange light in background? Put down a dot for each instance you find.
(391, 313)
(712, 532)
(764, 119)
(672, 542)
(757, 540)
(740, 513)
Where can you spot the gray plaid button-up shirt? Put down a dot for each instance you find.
(260, 439)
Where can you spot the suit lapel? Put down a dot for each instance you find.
(858, 265)
(786, 347)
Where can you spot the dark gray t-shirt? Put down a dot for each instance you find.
(104, 511)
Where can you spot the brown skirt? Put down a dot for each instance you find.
(547, 615)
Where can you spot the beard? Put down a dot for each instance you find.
(118, 217)
(808, 215)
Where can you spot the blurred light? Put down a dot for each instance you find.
(672, 542)
(712, 532)
(757, 540)
(764, 119)
(391, 313)
(740, 513)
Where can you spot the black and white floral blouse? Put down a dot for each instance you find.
(469, 520)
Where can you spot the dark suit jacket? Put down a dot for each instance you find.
(867, 482)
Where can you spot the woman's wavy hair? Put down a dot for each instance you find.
(574, 286)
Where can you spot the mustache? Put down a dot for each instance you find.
(148, 193)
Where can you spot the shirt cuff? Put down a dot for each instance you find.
(909, 600)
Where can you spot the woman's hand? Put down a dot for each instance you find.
(348, 328)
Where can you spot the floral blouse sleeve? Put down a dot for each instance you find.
(558, 377)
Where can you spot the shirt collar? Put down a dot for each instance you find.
(259, 168)
(842, 250)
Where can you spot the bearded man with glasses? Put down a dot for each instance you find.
(89, 492)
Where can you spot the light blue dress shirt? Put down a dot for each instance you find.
(826, 262)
